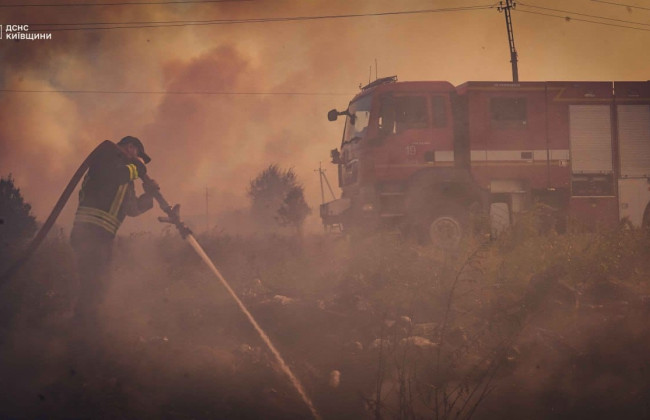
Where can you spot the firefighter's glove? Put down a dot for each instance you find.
(141, 167)
(151, 186)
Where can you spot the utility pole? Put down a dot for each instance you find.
(322, 176)
(511, 36)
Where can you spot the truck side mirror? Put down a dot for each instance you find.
(334, 114)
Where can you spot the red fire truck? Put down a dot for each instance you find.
(421, 156)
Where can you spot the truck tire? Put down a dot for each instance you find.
(447, 227)
(645, 222)
(499, 219)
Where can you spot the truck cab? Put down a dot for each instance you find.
(393, 133)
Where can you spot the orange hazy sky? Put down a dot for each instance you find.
(271, 83)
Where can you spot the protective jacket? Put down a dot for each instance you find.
(107, 193)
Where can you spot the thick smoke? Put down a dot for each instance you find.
(221, 141)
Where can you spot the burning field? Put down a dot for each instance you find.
(534, 325)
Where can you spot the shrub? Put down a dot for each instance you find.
(16, 220)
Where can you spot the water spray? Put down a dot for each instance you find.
(173, 217)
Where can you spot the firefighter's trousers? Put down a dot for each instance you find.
(93, 249)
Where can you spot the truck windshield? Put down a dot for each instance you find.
(355, 127)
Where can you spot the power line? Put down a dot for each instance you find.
(164, 92)
(143, 3)
(256, 20)
(159, 24)
(569, 18)
(622, 5)
(584, 14)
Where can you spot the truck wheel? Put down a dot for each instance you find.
(447, 228)
(645, 222)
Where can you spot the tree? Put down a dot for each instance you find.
(294, 209)
(16, 221)
(277, 198)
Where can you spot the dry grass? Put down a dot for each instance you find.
(534, 325)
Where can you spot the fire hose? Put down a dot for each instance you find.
(54, 214)
(173, 217)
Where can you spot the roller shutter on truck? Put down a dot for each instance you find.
(634, 147)
(634, 140)
(590, 133)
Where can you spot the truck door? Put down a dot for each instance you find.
(592, 176)
(416, 133)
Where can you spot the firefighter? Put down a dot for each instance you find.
(106, 197)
